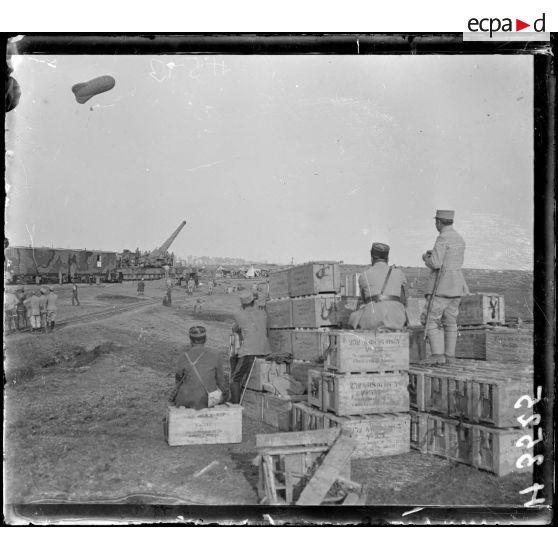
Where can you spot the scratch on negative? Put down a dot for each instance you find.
(358, 46)
(414, 510)
(208, 165)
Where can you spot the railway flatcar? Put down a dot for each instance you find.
(58, 265)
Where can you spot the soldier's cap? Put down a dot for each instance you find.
(197, 332)
(379, 250)
(43, 290)
(447, 214)
(246, 298)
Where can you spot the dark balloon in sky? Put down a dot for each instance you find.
(87, 90)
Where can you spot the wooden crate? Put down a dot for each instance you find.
(482, 447)
(501, 344)
(315, 311)
(310, 345)
(367, 351)
(218, 425)
(482, 308)
(263, 373)
(359, 394)
(419, 348)
(345, 307)
(280, 340)
(268, 408)
(279, 284)
(299, 370)
(375, 435)
(279, 313)
(350, 284)
(415, 307)
(314, 278)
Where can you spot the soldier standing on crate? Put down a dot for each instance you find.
(444, 292)
(251, 325)
(383, 293)
(199, 375)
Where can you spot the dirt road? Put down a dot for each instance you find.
(84, 408)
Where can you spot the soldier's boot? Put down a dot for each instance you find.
(450, 340)
(436, 339)
(235, 393)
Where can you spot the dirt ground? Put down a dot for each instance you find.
(84, 408)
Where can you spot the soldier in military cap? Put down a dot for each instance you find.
(383, 293)
(192, 391)
(445, 260)
(251, 325)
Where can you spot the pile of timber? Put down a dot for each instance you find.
(465, 412)
(307, 468)
(362, 388)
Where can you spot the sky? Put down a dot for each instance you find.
(275, 158)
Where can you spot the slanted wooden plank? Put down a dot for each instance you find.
(307, 437)
(337, 457)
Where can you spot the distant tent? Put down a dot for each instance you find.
(252, 272)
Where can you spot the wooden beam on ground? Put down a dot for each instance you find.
(305, 437)
(332, 465)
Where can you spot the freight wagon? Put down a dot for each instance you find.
(54, 265)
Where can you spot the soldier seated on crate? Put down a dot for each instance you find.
(251, 326)
(383, 294)
(199, 374)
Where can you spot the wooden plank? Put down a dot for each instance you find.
(218, 425)
(326, 474)
(327, 436)
(314, 278)
(314, 311)
(362, 351)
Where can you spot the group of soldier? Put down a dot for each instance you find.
(383, 290)
(35, 311)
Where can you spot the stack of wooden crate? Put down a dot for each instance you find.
(270, 393)
(483, 333)
(363, 389)
(465, 412)
(304, 306)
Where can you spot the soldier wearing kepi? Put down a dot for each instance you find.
(445, 260)
(199, 374)
(251, 325)
(383, 293)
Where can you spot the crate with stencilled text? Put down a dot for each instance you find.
(279, 313)
(314, 311)
(478, 394)
(313, 278)
(263, 372)
(310, 344)
(280, 340)
(501, 344)
(361, 393)
(279, 284)
(482, 308)
(217, 425)
(483, 447)
(367, 351)
(376, 435)
(268, 408)
(346, 305)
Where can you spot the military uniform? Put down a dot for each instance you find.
(43, 306)
(251, 324)
(383, 303)
(33, 304)
(191, 393)
(51, 307)
(446, 258)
